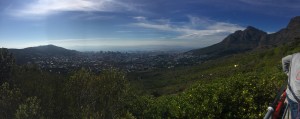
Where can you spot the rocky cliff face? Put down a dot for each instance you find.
(294, 23)
(249, 38)
(285, 35)
(239, 41)
(252, 38)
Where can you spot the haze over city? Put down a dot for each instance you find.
(88, 25)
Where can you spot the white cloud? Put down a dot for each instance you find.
(140, 18)
(41, 8)
(224, 27)
(197, 28)
(196, 21)
(165, 27)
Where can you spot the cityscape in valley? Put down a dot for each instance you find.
(97, 61)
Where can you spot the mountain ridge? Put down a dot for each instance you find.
(251, 39)
(24, 55)
(47, 50)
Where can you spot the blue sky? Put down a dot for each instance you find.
(136, 24)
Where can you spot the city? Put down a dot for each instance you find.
(127, 62)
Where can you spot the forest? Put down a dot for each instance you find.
(236, 86)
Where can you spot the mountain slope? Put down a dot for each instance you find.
(51, 50)
(238, 86)
(251, 39)
(239, 41)
(25, 55)
(285, 35)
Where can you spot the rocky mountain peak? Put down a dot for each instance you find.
(250, 31)
(253, 29)
(249, 36)
(294, 23)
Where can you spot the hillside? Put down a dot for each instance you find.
(45, 50)
(25, 55)
(237, 86)
(252, 39)
(170, 81)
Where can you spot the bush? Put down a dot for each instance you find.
(96, 96)
(6, 65)
(9, 101)
(30, 109)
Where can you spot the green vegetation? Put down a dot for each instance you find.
(92, 96)
(238, 86)
(6, 64)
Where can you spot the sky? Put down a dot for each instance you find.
(88, 25)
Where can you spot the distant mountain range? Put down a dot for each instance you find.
(251, 39)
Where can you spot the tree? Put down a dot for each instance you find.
(97, 96)
(6, 64)
(30, 109)
(9, 101)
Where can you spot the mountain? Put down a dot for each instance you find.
(46, 50)
(251, 39)
(239, 41)
(285, 35)
(26, 54)
(51, 50)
